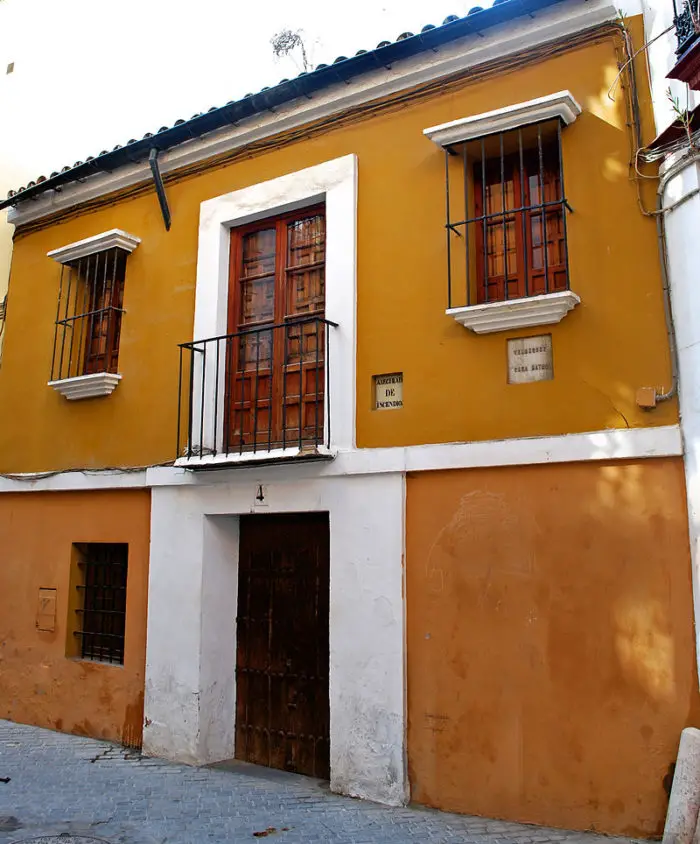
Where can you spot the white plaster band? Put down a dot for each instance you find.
(618, 444)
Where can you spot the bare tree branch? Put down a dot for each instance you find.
(285, 42)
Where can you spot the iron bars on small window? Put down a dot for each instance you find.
(102, 600)
(89, 315)
(506, 224)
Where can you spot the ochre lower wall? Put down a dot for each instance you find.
(38, 683)
(551, 663)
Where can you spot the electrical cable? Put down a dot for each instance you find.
(637, 152)
(634, 55)
(30, 477)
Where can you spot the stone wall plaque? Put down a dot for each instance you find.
(46, 610)
(388, 391)
(530, 359)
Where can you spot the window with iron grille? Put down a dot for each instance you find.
(89, 315)
(506, 227)
(102, 600)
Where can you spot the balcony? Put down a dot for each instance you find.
(687, 24)
(259, 395)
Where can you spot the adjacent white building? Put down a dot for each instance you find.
(673, 51)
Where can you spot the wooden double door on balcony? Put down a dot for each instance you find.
(276, 354)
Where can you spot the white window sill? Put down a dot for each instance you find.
(87, 386)
(247, 458)
(516, 313)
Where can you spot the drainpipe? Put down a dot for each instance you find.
(670, 329)
(160, 188)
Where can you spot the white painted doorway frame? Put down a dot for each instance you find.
(190, 698)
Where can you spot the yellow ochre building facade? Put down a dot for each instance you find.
(381, 354)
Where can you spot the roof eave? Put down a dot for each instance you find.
(286, 91)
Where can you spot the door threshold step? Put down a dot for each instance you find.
(238, 766)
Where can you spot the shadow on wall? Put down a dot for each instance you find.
(559, 600)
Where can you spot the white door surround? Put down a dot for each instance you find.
(190, 699)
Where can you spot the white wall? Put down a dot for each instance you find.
(683, 247)
(174, 635)
(217, 690)
(679, 189)
(191, 654)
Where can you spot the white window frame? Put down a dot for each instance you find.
(335, 184)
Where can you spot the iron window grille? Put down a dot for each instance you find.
(89, 315)
(506, 222)
(102, 600)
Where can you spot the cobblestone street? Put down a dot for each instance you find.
(83, 790)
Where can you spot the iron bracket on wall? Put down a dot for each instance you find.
(160, 188)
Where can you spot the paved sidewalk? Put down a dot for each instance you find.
(84, 789)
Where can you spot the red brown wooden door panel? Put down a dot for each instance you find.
(276, 381)
(104, 294)
(282, 660)
(511, 260)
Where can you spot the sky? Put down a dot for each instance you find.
(90, 74)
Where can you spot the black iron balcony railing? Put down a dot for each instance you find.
(260, 391)
(686, 23)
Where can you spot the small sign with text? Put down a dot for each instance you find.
(530, 359)
(388, 391)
